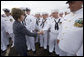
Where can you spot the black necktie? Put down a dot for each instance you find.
(56, 24)
(37, 21)
(42, 24)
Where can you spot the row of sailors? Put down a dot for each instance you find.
(32, 23)
(54, 28)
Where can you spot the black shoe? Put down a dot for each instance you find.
(3, 51)
(50, 53)
(57, 55)
(45, 50)
(8, 45)
(34, 52)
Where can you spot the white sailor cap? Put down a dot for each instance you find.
(43, 13)
(37, 13)
(55, 10)
(23, 8)
(60, 12)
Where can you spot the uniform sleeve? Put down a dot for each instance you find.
(23, 30)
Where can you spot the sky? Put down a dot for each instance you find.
(35, 6)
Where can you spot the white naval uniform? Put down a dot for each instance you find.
(4, 39)
(9, 27)
(30, 25)
(43, 37)
(71, 37)
(53, 34)
(38, 28)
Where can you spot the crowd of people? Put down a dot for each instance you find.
(61, 32)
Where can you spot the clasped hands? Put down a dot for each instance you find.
(40, 32)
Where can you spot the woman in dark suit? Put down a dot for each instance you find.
(20, 31)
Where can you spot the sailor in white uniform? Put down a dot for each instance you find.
(71, 35)
(38, 20)
(9, 24)
(4, 39)
(30, 25)
(43, 37)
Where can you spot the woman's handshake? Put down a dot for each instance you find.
(40, 32)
